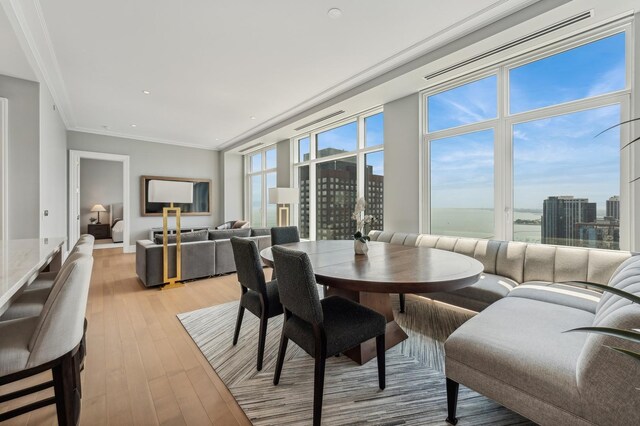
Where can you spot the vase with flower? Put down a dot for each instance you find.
(359, 239)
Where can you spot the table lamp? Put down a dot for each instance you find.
(169, 191)
(283, 197)
(98, 208)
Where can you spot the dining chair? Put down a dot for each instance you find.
(51, 341)
(284, 235)
(322, 328)
(258, 296)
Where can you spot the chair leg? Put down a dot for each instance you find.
(318, 390)
(262, 337)
(65, 392)
(401, 302)
(238, 325)
(281, 352)
(77, 364)
(452, 401)
(381, 362)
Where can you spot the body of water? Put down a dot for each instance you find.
(479, 223)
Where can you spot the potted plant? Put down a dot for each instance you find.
(360, 240)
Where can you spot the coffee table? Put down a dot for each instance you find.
(387, 268)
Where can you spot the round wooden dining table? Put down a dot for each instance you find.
(387, 268)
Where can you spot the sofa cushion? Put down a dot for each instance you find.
(603, 263)
(571, 264)
(486, 253)
(255, 232)
(185, 237)
(446, 243)
(411, 240)
(560, 294)
(489, 288)
(398, 238)
(385, 237)
(510, 260)
(466, 246)
(226, 234)
(539, 262)
(522, 342)
(428, 240)
(241, 224)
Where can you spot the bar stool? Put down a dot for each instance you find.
(51, 341)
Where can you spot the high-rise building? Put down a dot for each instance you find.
(336, 195)
(561, 214)
(613, 207)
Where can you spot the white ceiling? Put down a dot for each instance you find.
(211, 65)
(12, 59)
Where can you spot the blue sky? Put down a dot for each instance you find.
(554, 156)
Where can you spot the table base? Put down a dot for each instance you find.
(379, 302)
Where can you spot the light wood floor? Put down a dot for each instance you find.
(142, 368)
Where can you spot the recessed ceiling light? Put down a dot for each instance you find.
(134, 125)
(146, 92)
(252, 117)
(334, 13)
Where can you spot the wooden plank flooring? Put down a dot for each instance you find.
(142, 368)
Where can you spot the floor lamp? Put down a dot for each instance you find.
(169, 191)
(283, 197)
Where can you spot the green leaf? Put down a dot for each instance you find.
(632, 354)
(609, 331)
(367, 238)
(616, 291)
(616, 125)
(357, 235)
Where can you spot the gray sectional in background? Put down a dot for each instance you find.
(211, 254)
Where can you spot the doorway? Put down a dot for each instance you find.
(99, 198)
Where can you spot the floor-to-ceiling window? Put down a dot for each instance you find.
(516, 151)
(334, 166)
(261, 175)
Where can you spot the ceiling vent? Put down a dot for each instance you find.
(551, 28)
(319, 120)
(251, 147)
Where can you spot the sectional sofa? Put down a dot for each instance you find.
(517, 351)
(205, 253)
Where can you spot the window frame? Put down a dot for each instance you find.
(263, 172)
(313, 161)
(505, 121)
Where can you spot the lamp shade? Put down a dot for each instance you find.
(283, 196)
(98, 208)
(170, 191)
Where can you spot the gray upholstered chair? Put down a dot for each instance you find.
(51, 341)
(33, 298)
(322, 328)
(258, 297)
(283, 235)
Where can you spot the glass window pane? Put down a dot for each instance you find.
(589, 70)
(271, 182)
(303, 216)
(374, 188)
(334, 207)
(374, 130)
(338, 140)
(270, 159)
(256, 200)
(256, 162)
(462, 185)
(303, 149)
(563, 177)
(470, 103)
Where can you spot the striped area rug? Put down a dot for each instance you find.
(415, 392)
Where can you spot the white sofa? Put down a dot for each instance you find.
(517, 351)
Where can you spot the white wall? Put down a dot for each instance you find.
(53, 169)
(24, 156)
(401, 165)
(233, 171)
(100, 183)
(147, 158)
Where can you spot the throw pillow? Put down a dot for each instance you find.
(186, 237)
(239, 224)
(226, 225)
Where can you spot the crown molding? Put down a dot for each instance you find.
(140, 138)
(31, 30)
